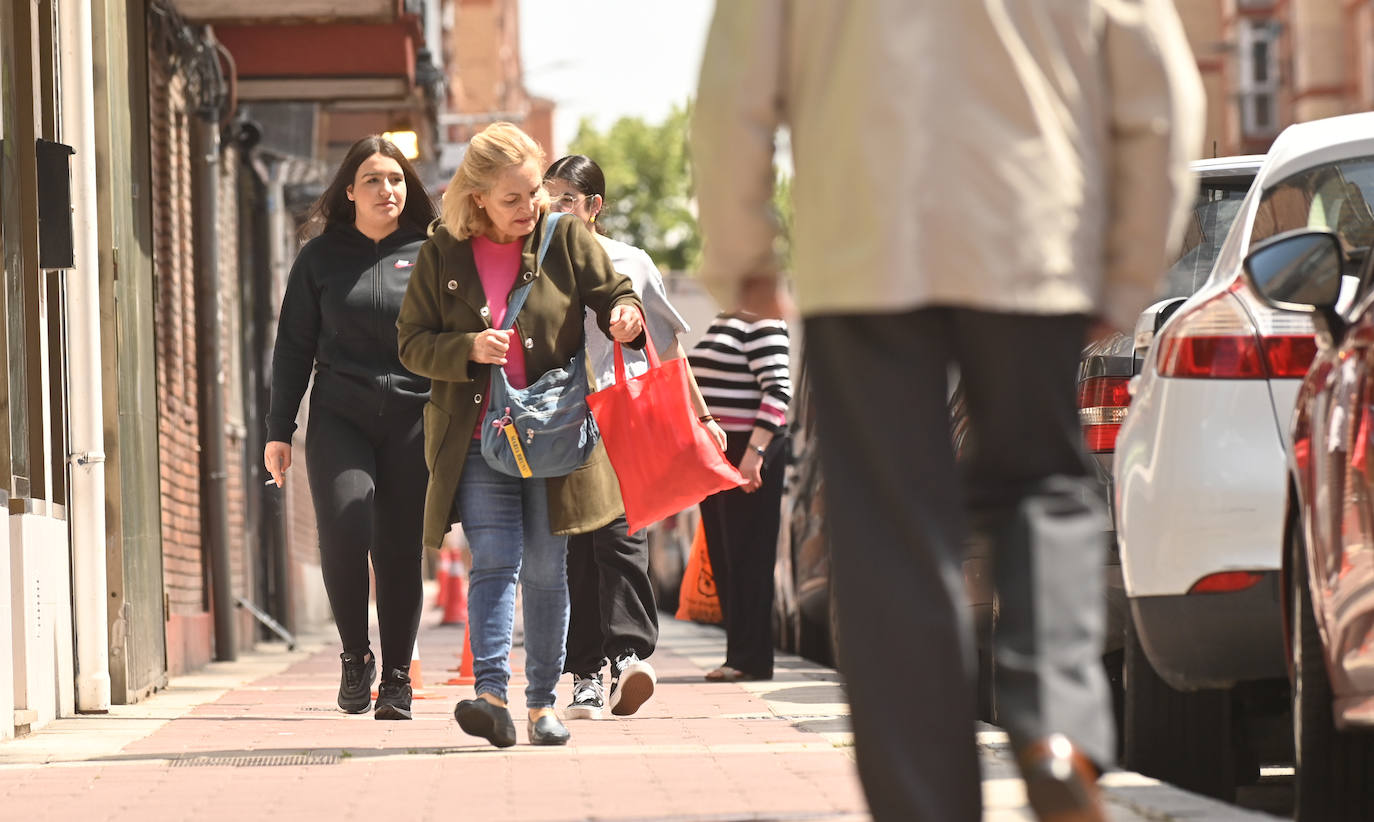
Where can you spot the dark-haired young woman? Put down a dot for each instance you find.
(614, 617)
(364, 446)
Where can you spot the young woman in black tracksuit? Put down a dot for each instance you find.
(364, 446)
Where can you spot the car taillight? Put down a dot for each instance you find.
(1226, 338)
(1102, 403)
(1226, 582)
(1290, 355)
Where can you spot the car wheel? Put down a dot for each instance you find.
(1181, 737)
(1332, 780)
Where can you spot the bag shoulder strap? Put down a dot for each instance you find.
(517, 300)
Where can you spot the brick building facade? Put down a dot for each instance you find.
(186, 567)
(486, 76)
(1270, 63)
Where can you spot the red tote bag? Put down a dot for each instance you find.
(665, 459)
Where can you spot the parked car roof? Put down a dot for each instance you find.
(1304, 145)
(1242, 165)
(1298, 147)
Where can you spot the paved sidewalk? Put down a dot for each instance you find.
(261, 735)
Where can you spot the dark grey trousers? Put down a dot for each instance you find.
(898, 516)
(613, 610)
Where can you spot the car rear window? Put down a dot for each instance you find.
(1216, 208)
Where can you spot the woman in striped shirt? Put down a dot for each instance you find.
(741, 365)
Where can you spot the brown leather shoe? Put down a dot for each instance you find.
(1060, 781)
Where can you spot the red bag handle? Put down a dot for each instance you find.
(620, 359)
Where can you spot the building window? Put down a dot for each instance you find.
(1258, 83)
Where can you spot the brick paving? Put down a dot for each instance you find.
(261, 737)
(275, 743)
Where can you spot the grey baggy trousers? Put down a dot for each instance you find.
(898, 510)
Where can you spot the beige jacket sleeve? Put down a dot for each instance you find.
(740, 105)
(1157, 116)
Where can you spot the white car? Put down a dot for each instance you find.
(1200, 472)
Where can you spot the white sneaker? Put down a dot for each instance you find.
(632, 683)
(587, 699)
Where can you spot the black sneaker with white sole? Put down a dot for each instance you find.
(588, 699)
(394, 695)
(355, 682)
(632, 683)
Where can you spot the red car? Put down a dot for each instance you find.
(1329, 564)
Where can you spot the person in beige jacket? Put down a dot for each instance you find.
(980, 183)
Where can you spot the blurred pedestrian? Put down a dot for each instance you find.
(494, 218)
(977, 184)
(742, 364)
(614, 617)
(364, 446)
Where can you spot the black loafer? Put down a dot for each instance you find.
(547, 730)
(479, 717)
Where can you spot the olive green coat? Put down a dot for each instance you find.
(445, 309)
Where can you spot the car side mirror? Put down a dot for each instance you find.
(1298, 271)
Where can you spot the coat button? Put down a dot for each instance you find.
(452, 285)
(476, 398)
(529, 342)
(485, 312)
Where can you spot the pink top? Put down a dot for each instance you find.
(498, 264)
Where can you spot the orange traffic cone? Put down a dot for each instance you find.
(417, 683)
(456, 597)
(464, 669)
(417, 680)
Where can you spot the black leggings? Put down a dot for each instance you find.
(742, 541)
(367, 477)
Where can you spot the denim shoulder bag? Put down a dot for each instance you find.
(545, 430)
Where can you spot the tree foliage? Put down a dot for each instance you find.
(649, 197)
(648, 185)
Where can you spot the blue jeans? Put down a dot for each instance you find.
(506, 522)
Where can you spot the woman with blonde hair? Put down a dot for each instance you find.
(452, 330)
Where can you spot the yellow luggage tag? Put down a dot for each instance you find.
(513, 437)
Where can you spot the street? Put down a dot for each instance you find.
(235, 740)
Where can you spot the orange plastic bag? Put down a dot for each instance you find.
(665, 459)
(697, 600)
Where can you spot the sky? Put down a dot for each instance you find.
(607, 59)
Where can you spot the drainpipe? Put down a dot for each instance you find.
(245, 135)
(209, 348)
(86, 511)
(272, 266)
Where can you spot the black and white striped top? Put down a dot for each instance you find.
(742, 368)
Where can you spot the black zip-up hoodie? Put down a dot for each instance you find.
(338, 316)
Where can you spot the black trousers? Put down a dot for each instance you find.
(613, 609)
(742, 541)
(897, 515)
(368, 477)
